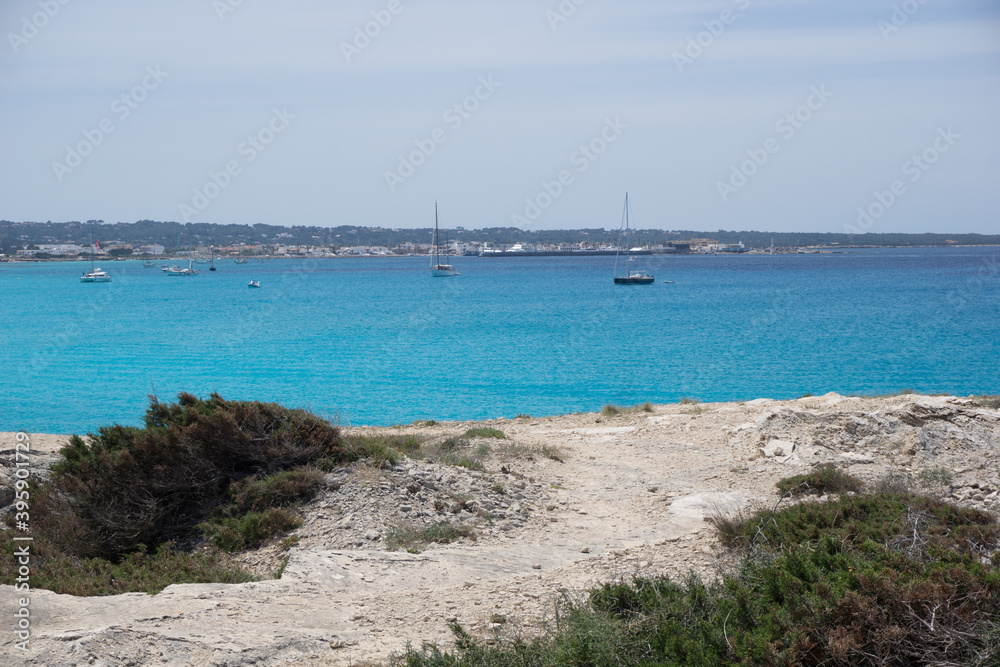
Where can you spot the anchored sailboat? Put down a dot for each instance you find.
(94, 275)
(630, 276)
(439, 270)
(176, 271)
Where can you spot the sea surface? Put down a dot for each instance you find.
(378, 341)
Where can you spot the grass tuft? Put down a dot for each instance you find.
(610, 410)
(991, 402)
(409, 536)
(457, 451)
(486, 433)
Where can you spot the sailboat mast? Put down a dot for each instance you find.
(437, 259)
(628, 248)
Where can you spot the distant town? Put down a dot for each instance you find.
(33, 241)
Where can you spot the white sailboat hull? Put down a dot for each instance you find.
(95, 276)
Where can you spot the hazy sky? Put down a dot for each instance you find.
(780, 115)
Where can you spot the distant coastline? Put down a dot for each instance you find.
(805, 250)
(147, 239)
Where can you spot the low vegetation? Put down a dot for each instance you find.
(825, 478)
(991, 402)
(55, 570)
(410, 536)
(935, 478)
(517, 450)
(129, 509)
(867, 579)
(610, 410)
(486, 433)
(457, 451)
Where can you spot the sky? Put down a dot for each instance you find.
(774, 115)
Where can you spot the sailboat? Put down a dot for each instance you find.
(630, 276)
(439, 270)
(175, 271)
(212, 267)
(94, 275)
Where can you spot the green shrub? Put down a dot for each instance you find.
(935, 477)
(105, 521)
(132, 486)
(485, 433)
(825, 478)
(250, 530)
(283, 489)
(376, 450)
(876, 518)
(54, 570)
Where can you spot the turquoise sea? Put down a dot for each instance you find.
(378, 341)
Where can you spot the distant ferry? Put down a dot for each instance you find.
(607, 252)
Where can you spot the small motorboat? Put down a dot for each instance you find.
(254, 283)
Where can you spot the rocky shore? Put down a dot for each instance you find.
(557, 505)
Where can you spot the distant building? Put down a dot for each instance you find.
(149, 250)
(59, 249)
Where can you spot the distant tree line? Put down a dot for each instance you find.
(175, 235)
